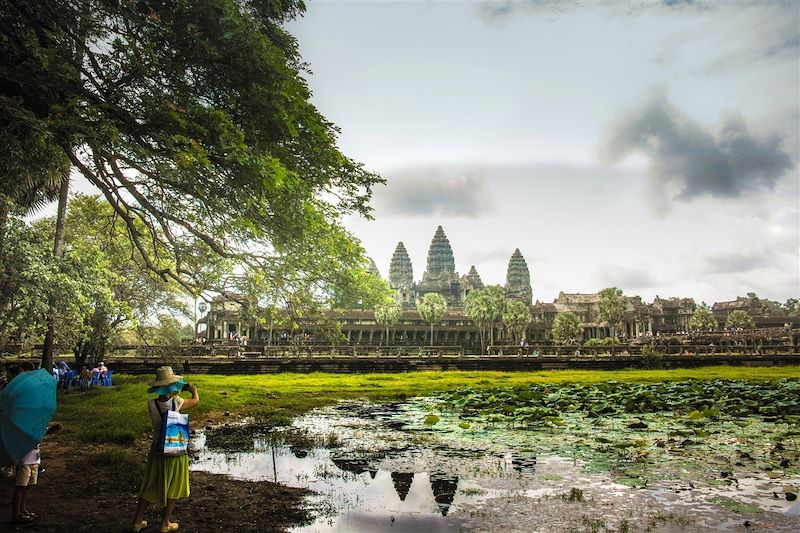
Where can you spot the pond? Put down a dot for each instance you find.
(427, 465)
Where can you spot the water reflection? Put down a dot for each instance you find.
(402, 483)
(358, 488)
(444, 489)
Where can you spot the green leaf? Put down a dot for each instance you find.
(431, 420)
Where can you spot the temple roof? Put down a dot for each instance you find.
(440, 254)
(576, 298)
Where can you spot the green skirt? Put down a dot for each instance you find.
(165, 478)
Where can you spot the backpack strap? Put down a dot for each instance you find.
(158, 408)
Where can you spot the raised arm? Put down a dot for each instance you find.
(193, 401)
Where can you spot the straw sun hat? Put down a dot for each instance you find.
(166, 381)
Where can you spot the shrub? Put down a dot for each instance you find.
(608, 341)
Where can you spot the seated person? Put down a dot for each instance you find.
(63, 369)
(86, 376)
(103, 369)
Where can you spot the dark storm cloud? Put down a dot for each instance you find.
(689, 161)
(433, 192)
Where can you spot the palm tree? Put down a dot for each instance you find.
(516, 318)
(387, 314)
(476, 306)
(496, 304)
(432, 309)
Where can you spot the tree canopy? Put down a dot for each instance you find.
(35, 284)
(702, 319)
(739, 319)
(613, 306)
(567, 328)
(194, 122)
(516, 318)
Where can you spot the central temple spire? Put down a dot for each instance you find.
(518, 278)
(440, 255)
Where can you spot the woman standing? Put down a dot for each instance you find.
(166, 478)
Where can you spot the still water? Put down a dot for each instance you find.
(375, 478)
(379, 468)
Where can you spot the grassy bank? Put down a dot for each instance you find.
(118, 415)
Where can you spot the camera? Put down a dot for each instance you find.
(186, 386)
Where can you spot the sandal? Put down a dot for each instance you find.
(31, 515)
(173, 526)
(22, 519)
(138, 526)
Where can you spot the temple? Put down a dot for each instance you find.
(664, 316)
(440, 275)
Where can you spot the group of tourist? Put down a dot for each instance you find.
(166, 476)
(86, 378)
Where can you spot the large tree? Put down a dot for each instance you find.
(194, 121)
(432, 308)
(613, 306)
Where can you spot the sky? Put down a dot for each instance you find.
(650, 145)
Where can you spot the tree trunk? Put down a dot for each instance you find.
(387, 334)
(269, 339)
(431, 333)
(58, 253)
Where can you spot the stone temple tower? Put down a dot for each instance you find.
(470, 282)
(440, 256)
(474, 278)
(372, 268)
(440, 275)
(401, 274)
(518, 279)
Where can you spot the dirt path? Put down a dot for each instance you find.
(78, 492)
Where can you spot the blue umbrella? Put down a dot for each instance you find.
(26, 406)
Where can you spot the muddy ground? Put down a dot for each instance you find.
(74, 494)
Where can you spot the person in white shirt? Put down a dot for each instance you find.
(27, 475)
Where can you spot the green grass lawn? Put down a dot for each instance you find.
(118, 415)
